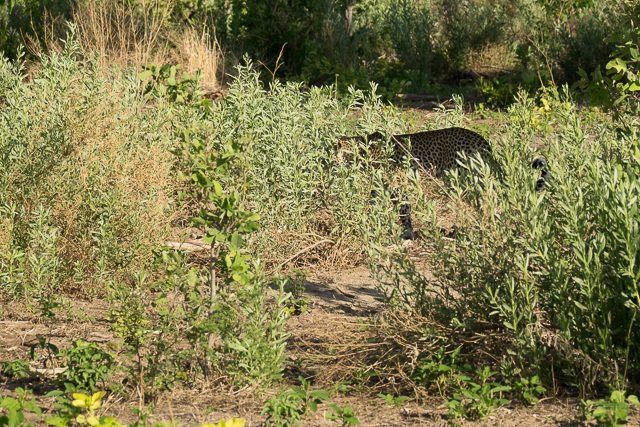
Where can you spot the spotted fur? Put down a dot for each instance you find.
(436, 150)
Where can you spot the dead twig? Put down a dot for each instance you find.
(300, 252)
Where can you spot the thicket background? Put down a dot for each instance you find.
(404, 45)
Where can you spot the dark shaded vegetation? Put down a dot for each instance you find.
(403, 45)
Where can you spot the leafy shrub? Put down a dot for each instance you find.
(473, 400)
(86, 365)
(517, 254)
(16, 369)
(288, 407)
(85, 186)
(221, 306)
(297, 186)
(12, 410)
(618, 87)
(612, 411)
(530, 389)
(344, 414)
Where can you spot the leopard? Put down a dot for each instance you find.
(435, 150)
(438, 151)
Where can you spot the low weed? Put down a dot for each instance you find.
(78, 409)
(394, 401)
(83, 410)
(289, 407)
(13, 410)
(345, 415)
(530, 390)
(87, 365)
(16, 369)
(610, 412)
(476, 400)
(438, 369)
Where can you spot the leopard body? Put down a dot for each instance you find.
(437, 150)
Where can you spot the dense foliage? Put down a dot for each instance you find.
(403, 45)
(184, 214)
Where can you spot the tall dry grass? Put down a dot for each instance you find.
(199, 50)
(133, 35)
(121, 33)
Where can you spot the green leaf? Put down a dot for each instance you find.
(617, 396)
(200, 178)
(321, 395)
(10, 403)
(618, 65)
(57, 421)
(579, 305)
(634, 87)
(500, 389)
(621, 412)
(217, 188)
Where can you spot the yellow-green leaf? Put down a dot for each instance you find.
(234, 422)
(80, 400)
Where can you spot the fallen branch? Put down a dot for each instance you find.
(300, 252)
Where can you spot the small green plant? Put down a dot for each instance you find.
(437, 369)
(294, 285)
(164, 81)
(233, 422)
(87, 365)
(392, 400)
(610, 412)
(81, 411)
(497, 93)
(344, 414)
(288, 407)
(478, 400)
(12, 410)
(16, 369)
(44, 263)
(530, 390)
(621, 80)
(129, 320)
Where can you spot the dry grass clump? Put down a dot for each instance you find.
(199, 50)
(493, 59)
(133, 35)
(121, 33)
(380, 354)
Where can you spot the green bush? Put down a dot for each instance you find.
(86, 365)
(85, 187)
(611, 412)
(220, 305)
(552, 276)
